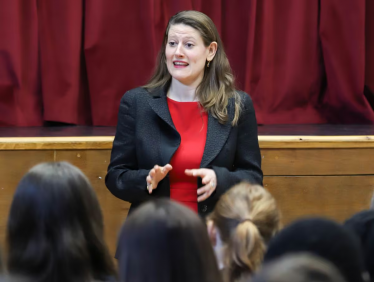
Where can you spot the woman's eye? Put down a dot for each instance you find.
(189, 45)
(172, 44)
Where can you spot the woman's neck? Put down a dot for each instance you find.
(181, 92)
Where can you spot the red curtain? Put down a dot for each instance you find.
(70, 61)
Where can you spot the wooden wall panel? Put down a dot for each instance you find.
(13, 165)
(317, 161)
(316, 181)
(94, 164)
(336, 197)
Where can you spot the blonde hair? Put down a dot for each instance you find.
(246, 217)
(218, 84)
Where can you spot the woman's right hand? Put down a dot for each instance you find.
(156, 174)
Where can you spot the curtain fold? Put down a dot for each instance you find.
(71, 61)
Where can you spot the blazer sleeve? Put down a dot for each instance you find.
(124, 178)
(247, 163)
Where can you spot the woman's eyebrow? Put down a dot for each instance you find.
(172, 36)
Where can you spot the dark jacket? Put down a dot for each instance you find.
(146, 136)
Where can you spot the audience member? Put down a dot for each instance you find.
(298, 268)
(362, 224)
(323, 238)
(244, 220)
(55, 228)
(163, 241)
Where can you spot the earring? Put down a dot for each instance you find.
(208, 64)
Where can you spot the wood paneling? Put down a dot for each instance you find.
(337, 197)
(57, 143)
(105, 142)
(317, 161)
(13, 165)
(334, 182)
(94, 164)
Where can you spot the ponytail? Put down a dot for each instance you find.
(246, 249)
(246, 218)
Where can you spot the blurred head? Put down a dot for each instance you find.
(191, 40)
(55, 227)
(298, 268)
(245, 218)
(362, 224)
(323, 238)
(166, 242)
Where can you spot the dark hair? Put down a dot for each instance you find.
(55, 227)
(298, 268)
(246, 217)
(218, 84)
(324, 238)
(362, 224)
(163, 241)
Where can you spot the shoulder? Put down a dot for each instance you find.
(135, 94)
(245, 100)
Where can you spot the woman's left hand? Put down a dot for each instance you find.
(209, 178)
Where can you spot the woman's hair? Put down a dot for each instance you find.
(218, 83)
(362, 225)
(323, 238)
(246, 217)
(55, 227)
(163, 241)
(298, 268)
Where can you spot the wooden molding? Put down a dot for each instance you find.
(105, 142)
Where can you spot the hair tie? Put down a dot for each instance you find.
(244, 220)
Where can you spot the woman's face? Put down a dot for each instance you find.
(186, 54)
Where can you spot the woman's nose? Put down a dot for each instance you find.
(179, 50)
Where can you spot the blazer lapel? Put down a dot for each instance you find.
(169, 137)
(159, 104)
(217, 135)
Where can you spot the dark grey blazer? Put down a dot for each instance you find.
(146, 136)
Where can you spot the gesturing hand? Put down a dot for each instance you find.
(208, 177)
(156, 174)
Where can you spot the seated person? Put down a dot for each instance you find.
(362, 224)
(323, 238)
(163, 241)
(55, 228)
(298, 268)
(245, 218)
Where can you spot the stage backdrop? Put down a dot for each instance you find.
(70, 61)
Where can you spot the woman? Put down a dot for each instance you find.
(323, 238)
(188, 134)
(298, 268)
(163, 241)
(242, 223)
(362, 225)
(55, 228)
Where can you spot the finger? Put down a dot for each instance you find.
(149, 179)
(206, 179)
(195, 172)
(203, 197)
(149, 188)
(152, 173)
(203, 189)
(167, 168)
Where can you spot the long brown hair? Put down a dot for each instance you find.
(55, 227)
(218, 84)
(246, 217)
(169, 240)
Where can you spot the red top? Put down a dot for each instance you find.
(191, 122)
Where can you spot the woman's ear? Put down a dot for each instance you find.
(212, 49)
(212, 232)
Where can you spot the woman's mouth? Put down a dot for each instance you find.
(179, 64)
